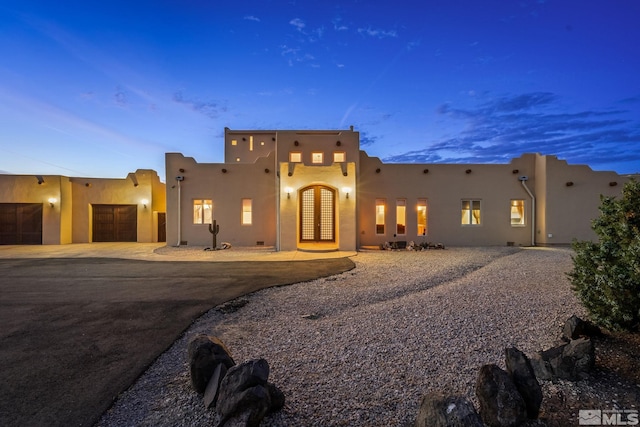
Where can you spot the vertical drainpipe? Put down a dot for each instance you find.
(533, 210)
(278, 191)
(179, 179)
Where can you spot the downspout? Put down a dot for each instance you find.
(179, 179)
(278, 191)
(523, 179)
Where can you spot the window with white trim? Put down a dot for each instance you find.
(295, 157)
(202, 211)
(380, 215)
(517, 212)
(246, 212)
(401, 217)
(471, 212)
(421, 212)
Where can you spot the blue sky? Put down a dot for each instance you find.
(104, 88)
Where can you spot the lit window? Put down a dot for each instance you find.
(471, 212)
(422, 217)
(202, 211)
(246, 212)
(317, 158)
(234, 142)
(380, 208)
(339, 157)
(295, 157)
(251, 143)
(517, 212)
(401, 217)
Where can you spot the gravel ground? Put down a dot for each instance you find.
(399, 325)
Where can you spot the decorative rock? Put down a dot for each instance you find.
(523, 376)
(569, 361)
(575, 328)
(205, 353)
(246, 396)
(213, 387)
(501, 405)
(438, 410)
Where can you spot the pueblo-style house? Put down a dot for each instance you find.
(311, 190)
(316, 190)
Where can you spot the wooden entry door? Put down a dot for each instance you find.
(115, 223)
(317, 214)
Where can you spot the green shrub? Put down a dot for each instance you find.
(606, 274)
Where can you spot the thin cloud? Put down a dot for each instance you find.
(211, 109)
(252, 18)
(377, 33)
(298, 23)
(506, 127)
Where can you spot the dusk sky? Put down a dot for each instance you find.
(102, 88)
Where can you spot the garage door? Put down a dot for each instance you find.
(20, 223)
(115, 223)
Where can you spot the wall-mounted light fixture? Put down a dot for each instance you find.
(346, 190)
(144, 202)
(288, 190)
(52, 201)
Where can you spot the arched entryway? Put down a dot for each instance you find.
(317, 214)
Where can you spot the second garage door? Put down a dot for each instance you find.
(115, 223)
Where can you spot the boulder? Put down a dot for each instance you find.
(575, 328)
(438, 410)
(245, 395)
(205, 353)
(570, 361)
(524, 378)
(501, 405)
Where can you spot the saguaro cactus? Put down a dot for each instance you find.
(214, 229)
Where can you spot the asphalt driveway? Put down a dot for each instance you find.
(76, 332)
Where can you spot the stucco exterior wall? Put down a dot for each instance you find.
(445, 186)
(69, 219)
(226, 185)
(570, 199)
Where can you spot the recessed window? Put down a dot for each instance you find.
(246, 212)
(401, 217)
(317, 158)
(251, 143)
(470, 212)
(202, 211)
(339, 157)
(295, 157)
(517, 212)
(422, 217)
(234, 142)
(380, 214)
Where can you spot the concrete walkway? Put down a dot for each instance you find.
(162, 252)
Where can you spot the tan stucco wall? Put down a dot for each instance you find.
(345, 208)
(139, 185)
(256, 181)
(69, 219)
(570, 198)
(445, 186)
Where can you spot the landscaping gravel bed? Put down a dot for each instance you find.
(362, 347)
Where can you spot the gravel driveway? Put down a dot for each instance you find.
(399, 325)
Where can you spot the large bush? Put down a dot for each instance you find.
(606, 274)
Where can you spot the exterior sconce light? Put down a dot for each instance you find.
(346, 190)
(288, 190)
(569, 183)
(224, 170)
(425, 171)
(338, 143)
(613, 184)
(467, 171)
(144, 202)
(52, 201)
(296, 143)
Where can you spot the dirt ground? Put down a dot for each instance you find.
(76, 332)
